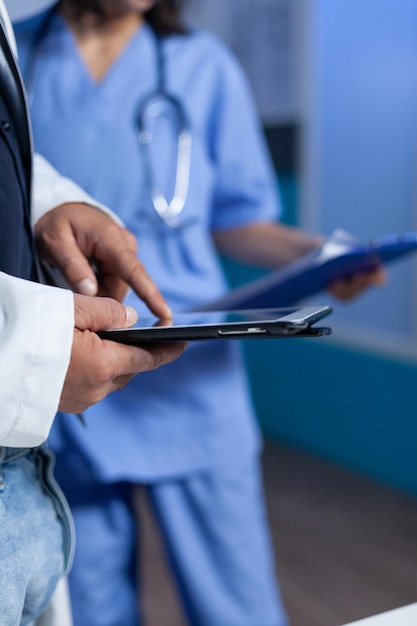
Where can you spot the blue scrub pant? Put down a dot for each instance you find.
(215, 532)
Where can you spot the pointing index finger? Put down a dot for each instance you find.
(134, 274)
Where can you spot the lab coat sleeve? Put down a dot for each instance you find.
(50, 190)
(36, 334)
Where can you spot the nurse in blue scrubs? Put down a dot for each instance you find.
(187, 432)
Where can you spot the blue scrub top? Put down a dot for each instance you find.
(197, 411)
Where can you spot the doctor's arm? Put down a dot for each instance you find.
(51, 358)
(87, 242)
(271, 245)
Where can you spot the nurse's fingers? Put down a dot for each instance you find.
(352, 286)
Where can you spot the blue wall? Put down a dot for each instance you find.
(350, 407)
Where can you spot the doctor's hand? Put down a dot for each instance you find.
(352, 286)
(98, 367)
(95, 255)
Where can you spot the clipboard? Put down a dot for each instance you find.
(207, 325)
(340, 257)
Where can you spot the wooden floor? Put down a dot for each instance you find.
(345, 547)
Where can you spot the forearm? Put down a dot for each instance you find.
(267, 245)
(36, 334)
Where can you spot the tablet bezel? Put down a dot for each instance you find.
(263, 323)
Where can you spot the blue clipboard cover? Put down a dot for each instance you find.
(340, 257)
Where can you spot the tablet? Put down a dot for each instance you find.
(249, 324)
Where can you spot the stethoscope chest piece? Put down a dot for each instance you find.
(152, 109)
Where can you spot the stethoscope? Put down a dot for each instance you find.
(150, 110)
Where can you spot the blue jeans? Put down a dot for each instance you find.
(35, 534)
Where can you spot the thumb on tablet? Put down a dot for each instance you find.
(94, 313)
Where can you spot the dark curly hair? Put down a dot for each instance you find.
(164, 16)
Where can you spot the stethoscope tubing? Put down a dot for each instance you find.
(168, 211)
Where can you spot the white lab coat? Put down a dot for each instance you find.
(36, 323)
(36, 333)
